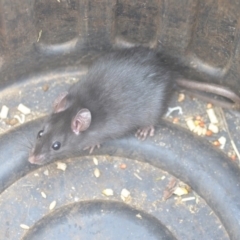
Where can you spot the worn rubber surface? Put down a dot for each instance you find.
(81, 207)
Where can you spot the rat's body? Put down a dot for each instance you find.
(124, 91)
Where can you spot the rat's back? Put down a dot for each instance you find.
(126, 89)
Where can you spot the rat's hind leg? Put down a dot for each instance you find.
(142, 133)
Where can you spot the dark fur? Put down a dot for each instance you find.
(124, 90)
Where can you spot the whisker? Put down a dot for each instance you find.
(25, 142)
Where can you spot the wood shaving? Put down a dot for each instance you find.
(61, 166)
(198, 130)
(188, 199)
(20, 119)
(23, 109)
(214, 128)
(212, 116)
(24, 226)
(222, 140)
(39, 35)
(190, 124)
(4, 112)
(204, 131)
(52, 205)
(125, 195)
(95, 161)
(137, 176)
(43, 194)
(139, 216)
(108, 192)
(96, 173)
(179, 191)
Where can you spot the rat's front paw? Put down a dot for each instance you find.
(91, 148)
(142, 133)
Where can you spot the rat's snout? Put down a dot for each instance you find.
(36, 159)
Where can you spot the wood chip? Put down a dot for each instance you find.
(43, 194)
(95, 161)
(214, 128)
(212, 116)
(179, 191)
(222, 140)
(137, 176)
(198, 130)
(4, 112)
(181, 97)
(108, 192)
(52, 205)
(23, 109)
(24, 226)
(188, 199)
(139, 216)
(96, 173)
(46, 172)
(125, 195)
(61, 166)
(204, 130)
(190, 124)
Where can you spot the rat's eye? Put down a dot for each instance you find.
(56, 145)
(40, 133)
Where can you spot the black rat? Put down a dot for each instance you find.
(124, 90)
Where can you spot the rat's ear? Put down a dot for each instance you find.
(60, 103)
(81, 121)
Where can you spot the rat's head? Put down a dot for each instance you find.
(60, 132)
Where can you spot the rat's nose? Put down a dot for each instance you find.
(35, 159)
(31, 159)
